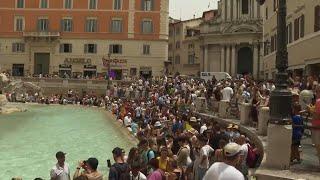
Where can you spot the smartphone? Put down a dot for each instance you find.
(109, 163)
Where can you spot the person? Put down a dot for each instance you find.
(205, 152)
(243, 167)
(227, 92)
(119, 170)
(183, 155)
(163, 159)
(316, 122)
(90, 169)
(157, 174)
(61, 170)
(127, 120)
(226, 170)
(135, 173)
(297, 132)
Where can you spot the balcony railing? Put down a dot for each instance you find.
(41, 34)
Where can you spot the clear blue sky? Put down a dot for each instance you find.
(187, 8)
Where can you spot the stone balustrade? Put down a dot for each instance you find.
(263, 119)
(245, 110)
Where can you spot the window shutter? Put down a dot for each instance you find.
(95, 48)
(71, 24)
(62, 25)
(302, 26)
(142, 27)
(14, 47)
(142, 5)
(22, 47)
(111, 26)
(120, 49)
(152, 5)
(151, 26)
(120, 25)
(39, 25)
(61, 48)
(70, 48)
(86, 48)
(110, 49)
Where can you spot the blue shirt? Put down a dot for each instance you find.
(297, 131)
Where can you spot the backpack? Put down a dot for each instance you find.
(122, 174)
(252, 157)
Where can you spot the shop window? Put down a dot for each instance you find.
(91, 25)
(317, 18)
(67, 4)
(146, 49)
(115, 49)
(245, 6)
(116, 25)
(44, 4)
(66, 48)
(43, 24)
(18, 47)
(92, 4)
(147, 26)
(20, 3)
(117, 4)
(90, 48)
(66, 25)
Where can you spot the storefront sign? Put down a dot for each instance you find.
(114, 62)
(77, 61)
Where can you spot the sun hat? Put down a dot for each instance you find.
(193, 119)
(231, 149)
(230, 126)
(157, 124)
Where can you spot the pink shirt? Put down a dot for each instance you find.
(156, 175)
(316, 122)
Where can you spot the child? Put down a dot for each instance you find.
(297, 132)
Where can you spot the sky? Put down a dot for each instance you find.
(185, 9)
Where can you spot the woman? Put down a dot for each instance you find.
(316, 121)
(133, 156)
(157, 173)
(163, 159)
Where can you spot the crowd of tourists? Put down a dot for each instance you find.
(177, 143)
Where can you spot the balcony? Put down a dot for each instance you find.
(41, 34)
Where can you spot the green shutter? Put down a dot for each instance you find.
(151, 26)
(95, 48)
(142, 5)
(39, 25)
(120, 49)
(14, 45)
(22, 47)
(70, 47)
(142, 27)
(86, 48)
(152, 5)
(61, 48)
(62, 25)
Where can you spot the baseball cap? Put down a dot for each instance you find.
(231, 149)
(60, 154)
(117, 151)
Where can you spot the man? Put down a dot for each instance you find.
(205, 153)
(90, 169)
(226, 170)
(135, 173)
(119, 170)
(227, 92)
(61, 170)
(244, 153)
(127, 120)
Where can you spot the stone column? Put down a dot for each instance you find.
(255, 9)
(223, 8)
(245, 110)
(228, 3)
(255, 61)
(222, 59)
(263, 118)
(228, 59)
(233, 60)
(205, 55)
(235, 9)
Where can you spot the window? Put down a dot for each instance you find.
(90, 48)
(317, 18)
(147, 26)
(296, 29)
(19, 25)
(147, 5)
(18, 47)
(116, 25)
(301, 20)
(191, 59)
(115, 49)
(146, 49)
(20, 3)
(245, 6)
(43, 24)
(65, 48)
(177, 59)
(92, 4)
(67, 4)
(267, 13)
(91, 25)
(178, 45)
(66, 25)
(190, 46)
(43, 3)
(117, 4)
(289, 33)
(275, 5)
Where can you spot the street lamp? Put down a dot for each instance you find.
(281, 97)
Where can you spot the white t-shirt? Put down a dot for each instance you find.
(223, 171)
(127, 121)
(60, 173)
(140, 176)
(205, 151)
(227, 93)
(203, 128)
(244, 153)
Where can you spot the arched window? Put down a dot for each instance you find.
(317, 18)
(245, 6)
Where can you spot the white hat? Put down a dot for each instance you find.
(193, 119)
(157, 124)
(231, 149)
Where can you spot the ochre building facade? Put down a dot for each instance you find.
(84, 37)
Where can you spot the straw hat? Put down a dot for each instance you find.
(157, 124)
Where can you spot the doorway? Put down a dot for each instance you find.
(245, 61)
(17, 69)
(41, 63)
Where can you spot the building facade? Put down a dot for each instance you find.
(232, 41)
(303, 37)
(84, 37)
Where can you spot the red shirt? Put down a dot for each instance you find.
(316, 122)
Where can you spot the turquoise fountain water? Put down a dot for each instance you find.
(29, 140)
